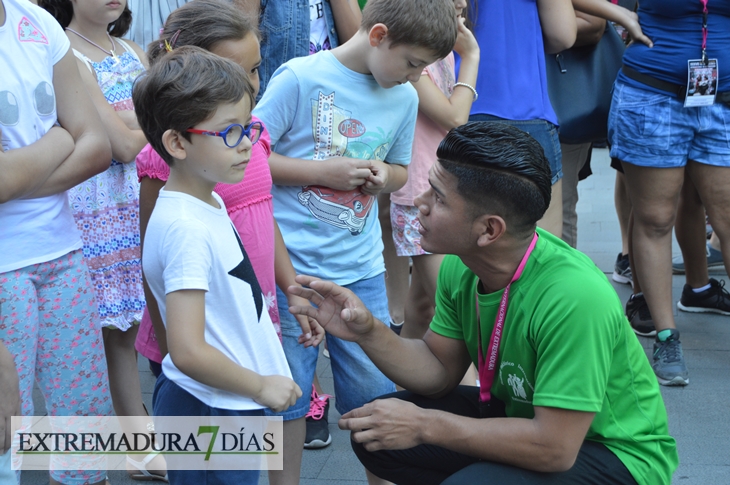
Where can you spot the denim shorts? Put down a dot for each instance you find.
(650, 129)
(546, 135)
(357, 380)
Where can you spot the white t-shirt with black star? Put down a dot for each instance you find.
(191, 245)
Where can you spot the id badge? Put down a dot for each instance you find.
(701, 83)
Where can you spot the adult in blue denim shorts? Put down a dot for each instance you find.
(662, 144)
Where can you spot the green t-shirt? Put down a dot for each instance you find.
(566, 344)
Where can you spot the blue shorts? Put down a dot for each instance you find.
(546, 135)
(655, 130)
(169, 399)
(357, 380)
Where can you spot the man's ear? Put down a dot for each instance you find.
(377, 35)
(174, 143)
(489, 228)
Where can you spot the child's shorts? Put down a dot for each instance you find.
(407, 239)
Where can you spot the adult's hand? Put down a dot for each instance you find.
(337, 310)
(385, 424)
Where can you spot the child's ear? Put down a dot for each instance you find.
(173, 143)
(377, 35)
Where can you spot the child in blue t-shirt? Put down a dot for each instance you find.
(224, 356)
(341, 125)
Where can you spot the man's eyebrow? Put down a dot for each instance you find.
(435, 189)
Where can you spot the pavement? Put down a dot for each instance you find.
(698, 413)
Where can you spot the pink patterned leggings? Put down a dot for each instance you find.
(49, 324)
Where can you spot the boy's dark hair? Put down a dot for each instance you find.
(184, 88)
(422, 23)
(202, 23)
(63, 11)
(500, 169)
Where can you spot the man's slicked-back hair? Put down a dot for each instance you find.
(202, 23)
(421, 23)
(183, 88)
(500, 169)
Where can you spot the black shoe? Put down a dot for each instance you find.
(622, 270)
(637, 311)
(715, 299)
(318, 432)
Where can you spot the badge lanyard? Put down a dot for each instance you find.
(487, 364)
(705, 11)
(702, 74)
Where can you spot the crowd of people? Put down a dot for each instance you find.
(220, 186)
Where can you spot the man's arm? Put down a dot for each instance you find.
(547, 443)
(431, 367)
(77, 115)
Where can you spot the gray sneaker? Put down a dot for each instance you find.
(714, 261)
(622, 270)
(668, 364)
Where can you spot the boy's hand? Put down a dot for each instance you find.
(312, 331)
(379, 172)
(338, 310)
(344, 173)
(278, 393)
(466, 43)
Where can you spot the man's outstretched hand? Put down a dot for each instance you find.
(337, 310)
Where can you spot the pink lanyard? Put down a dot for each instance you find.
(486, 368)
(705, 11)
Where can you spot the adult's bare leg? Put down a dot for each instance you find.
(713, 186)
(623, 209)
(654, 194)
(690, 232)
(552, 221)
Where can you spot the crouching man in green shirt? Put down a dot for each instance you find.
(567, 395)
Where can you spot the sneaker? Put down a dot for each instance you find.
(637, 311)
(668, 364)
(714, 261)
(715, 299)
(622, 270)
(318, 433)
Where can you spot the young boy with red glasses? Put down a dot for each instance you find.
(224, 355)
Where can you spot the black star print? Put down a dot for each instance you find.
(244, 272)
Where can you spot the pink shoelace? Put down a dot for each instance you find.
(317, 405)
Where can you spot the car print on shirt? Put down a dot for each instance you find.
(344, 209)
(337, 134)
